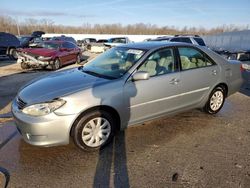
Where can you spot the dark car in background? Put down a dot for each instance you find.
(31, 40)
(53, 54)
(117, 41)
(8, 45)
(64, 38)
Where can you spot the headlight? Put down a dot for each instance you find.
(42, 109)
(42, 58)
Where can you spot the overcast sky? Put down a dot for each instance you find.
(179, 13)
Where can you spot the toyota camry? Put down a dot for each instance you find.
(124, 86)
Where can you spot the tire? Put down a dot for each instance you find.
(88, 125)
(56, 64)
(24, 66)
(78, 59)
(88, 47)
(215, 101)
(13, 54)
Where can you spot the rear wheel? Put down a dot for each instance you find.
(78, 59)
(56, 64)
(94, 130)
(215, 101)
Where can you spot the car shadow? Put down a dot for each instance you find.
(115, 153)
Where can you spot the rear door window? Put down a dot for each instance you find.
(191, 58)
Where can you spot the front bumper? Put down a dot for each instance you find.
(32, 61)
(48, 130)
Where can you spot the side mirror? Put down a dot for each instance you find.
(141, 75)
(4, 177)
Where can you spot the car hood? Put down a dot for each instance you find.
(57, 85)
(40, 51)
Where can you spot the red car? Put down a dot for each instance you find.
(52, 54)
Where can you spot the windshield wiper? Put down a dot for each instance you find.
(96, 74)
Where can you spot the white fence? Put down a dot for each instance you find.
(231, 41)
(134, 38)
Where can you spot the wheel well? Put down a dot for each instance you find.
(104, 108)
(9, 49)
(54, 59)
(224, 86)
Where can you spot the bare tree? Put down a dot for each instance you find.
(11, 25)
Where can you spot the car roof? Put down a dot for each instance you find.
(154, 45)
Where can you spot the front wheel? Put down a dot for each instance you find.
(56, 64)
(94, 130)
(215, 101)
(24, 66)
(13, 53)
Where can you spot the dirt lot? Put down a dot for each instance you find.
(191, 149)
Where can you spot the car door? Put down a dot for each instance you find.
(155, 96)
(74, 50)
(64, 53)
(198, 74)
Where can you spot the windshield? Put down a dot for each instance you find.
(117, 40)
(24, 39)
(50, 45)
(114, 63)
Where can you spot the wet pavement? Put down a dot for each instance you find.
(192, 149)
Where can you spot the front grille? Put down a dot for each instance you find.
(20, 103)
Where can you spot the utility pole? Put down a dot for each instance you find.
(17, 25)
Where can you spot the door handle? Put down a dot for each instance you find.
(214, 72)
(174, 81)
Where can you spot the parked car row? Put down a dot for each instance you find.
(33, 51)
(101, 45)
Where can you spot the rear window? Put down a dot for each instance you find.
(200, 41)
(182, 39)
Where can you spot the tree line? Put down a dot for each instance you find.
(11, 25)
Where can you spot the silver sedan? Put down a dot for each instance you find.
(124, 86)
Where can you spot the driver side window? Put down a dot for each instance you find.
(159, 63)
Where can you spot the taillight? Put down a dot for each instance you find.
(244, 67)
(241, 68)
